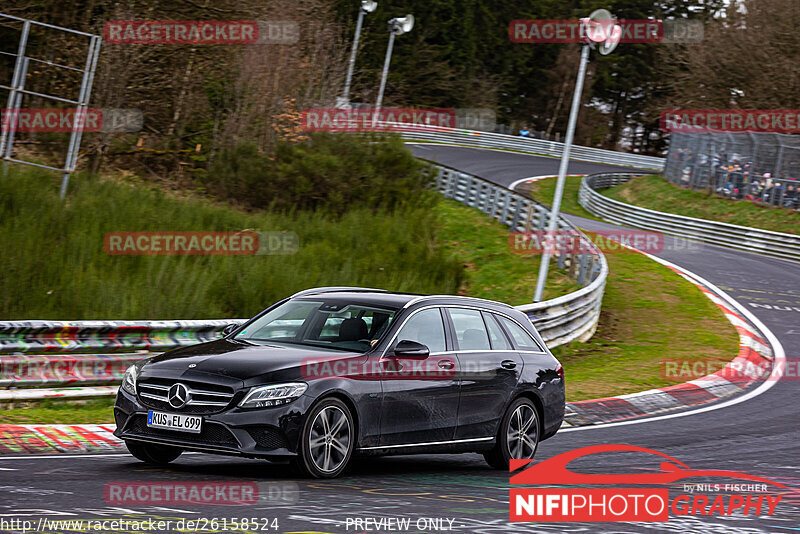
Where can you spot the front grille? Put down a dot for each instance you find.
(211, 434)
(267, 437)
(203, 398)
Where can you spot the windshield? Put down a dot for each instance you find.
(337, 325)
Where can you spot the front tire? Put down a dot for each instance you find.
(153, 454)
(518, 436)
(327, 440)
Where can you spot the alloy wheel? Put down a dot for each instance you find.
(329, 439)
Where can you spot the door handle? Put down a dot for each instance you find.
(509, 364)
(446, 364)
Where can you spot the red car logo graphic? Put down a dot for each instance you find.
(553, 471)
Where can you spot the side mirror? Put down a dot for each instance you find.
(229, 329)
(411, 349)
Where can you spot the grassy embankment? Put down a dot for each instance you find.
(656, 193)
(649, 314)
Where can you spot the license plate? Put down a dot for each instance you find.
(171, 421)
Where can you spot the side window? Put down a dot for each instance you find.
(425, 327)
(470, 329)
(521, 337)
(496, 335)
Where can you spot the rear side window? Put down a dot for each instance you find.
(470, 330)
(496, 335)
(521, 336)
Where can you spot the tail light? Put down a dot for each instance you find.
(560, 371)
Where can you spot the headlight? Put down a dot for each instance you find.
(263, 396)
(129, 380)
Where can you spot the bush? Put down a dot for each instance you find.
(329, 172)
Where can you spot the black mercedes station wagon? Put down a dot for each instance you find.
(334, 372)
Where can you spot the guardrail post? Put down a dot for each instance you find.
(595, 269)
(561, 262)
(471, 196)
(542, 218)
(584, 263)
(517, 215)
(506, 198)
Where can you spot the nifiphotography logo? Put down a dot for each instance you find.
(612, 503)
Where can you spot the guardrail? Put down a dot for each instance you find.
(37, 376)
(560, 320)
(526, 145)
(90, 336)
(775, 244)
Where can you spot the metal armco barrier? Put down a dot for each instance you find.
(40, 376)
(89, 336)
(567, 318)
(527, 145)
(37, 370)
(776, 244)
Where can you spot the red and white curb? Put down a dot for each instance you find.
(736, 376)
(47, 438)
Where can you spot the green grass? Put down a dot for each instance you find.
(649, 315)
(55, 267)
(543, 191)
(656, 193)
(59, 411)
(492, 270)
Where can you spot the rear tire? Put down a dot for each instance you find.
(518, 436)
(327, 441)
(153, 454)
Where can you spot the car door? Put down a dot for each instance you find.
(419, 395)
(489, 369)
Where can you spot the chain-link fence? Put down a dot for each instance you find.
(762, 167)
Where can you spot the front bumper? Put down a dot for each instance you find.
(271, 433)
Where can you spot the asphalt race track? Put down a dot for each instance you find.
(759, 436)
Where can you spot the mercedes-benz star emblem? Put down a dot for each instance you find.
(178, 395)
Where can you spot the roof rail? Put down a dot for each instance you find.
(332, 289)
(426, 297)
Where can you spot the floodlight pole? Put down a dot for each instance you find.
(385, 72)
(562, 171)
(346, 96)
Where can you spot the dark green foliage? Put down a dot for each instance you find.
(329, 172)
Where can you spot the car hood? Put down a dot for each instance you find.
(242, 361)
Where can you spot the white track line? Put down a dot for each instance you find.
(515, 183)
(779, 362)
